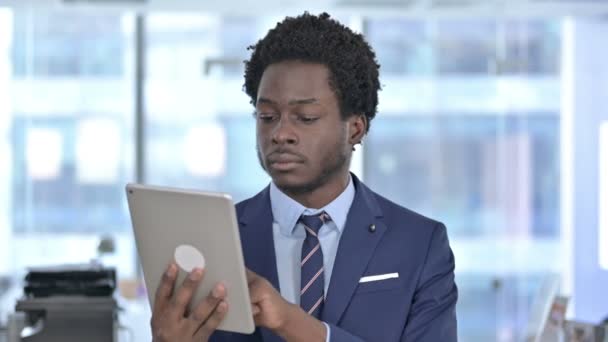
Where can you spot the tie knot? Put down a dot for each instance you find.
(314, 222)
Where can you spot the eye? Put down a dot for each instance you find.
(307, 119)
(266, 117)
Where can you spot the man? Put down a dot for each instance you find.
(329, 259)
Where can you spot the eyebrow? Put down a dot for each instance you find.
(311, 100)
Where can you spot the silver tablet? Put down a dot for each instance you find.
(196, 229)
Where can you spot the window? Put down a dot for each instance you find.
(603, 195)
(459, 168)
(67, 128)
(200, 130)
(403, 47)
(466, 46)
(468, 133)
(62, 43)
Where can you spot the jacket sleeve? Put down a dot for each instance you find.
(433, 313)
(338, 334)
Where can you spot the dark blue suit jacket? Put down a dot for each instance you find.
(417, 306)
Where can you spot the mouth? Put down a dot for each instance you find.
(283, 167)
(283, 162)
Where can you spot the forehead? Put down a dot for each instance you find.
(293, 80)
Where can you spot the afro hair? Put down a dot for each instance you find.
(320, 39)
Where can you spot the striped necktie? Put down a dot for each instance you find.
(312, 280)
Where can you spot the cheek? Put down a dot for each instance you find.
(327, 149)
(261, 137)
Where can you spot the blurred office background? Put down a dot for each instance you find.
(491, 120)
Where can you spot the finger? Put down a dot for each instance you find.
(258, 319)
(165, 289)
(251, 276)
(213, 322)
(184, 293)
(255, 309)
(205, 307)
(256, 292)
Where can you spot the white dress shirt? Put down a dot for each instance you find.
(289, 236)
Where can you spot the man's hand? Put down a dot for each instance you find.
(270, 310)
(287, 320)
(171, 320)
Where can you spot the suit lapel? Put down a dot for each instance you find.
(258, 243)
(356, 247)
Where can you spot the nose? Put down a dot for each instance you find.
(284, 133)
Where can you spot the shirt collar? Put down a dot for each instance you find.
(286, 211)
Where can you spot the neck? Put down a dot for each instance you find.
(322, 195)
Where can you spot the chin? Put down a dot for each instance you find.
(300, 185)
(290, 182)
(286, 179)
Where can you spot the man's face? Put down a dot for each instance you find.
(302, 140)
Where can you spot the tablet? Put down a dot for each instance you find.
(195, 229)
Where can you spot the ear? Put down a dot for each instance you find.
(357, 127)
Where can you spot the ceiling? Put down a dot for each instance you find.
(422, 8)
